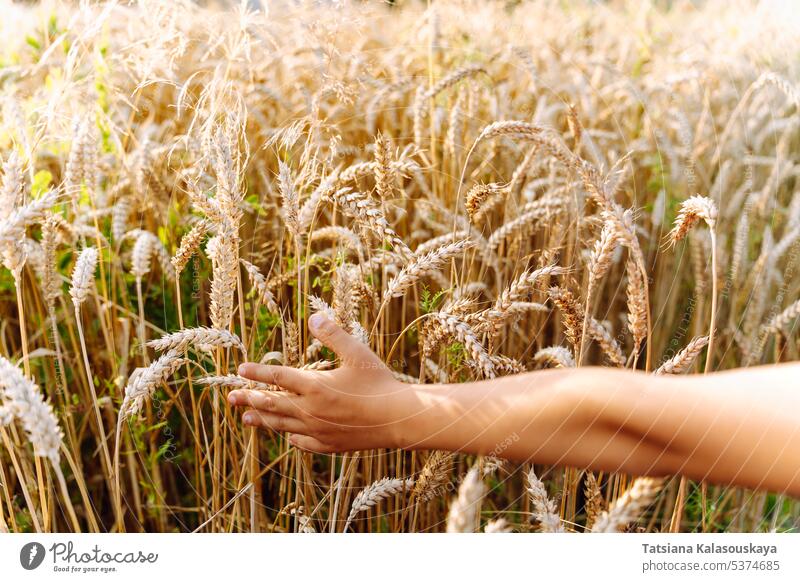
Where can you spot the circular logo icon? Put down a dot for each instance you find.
(31, 555)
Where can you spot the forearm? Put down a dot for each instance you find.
(706, 427)
(736, 427)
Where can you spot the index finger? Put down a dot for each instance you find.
(284, 377)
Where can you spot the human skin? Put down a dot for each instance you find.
(736, 427)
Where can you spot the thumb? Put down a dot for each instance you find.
(351, 351)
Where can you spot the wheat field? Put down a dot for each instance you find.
(474, 189)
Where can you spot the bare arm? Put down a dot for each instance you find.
(738, 427)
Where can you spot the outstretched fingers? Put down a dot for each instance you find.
(284, 403)
(310, 444)
(277, 422)
(287, 378)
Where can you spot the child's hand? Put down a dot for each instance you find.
(351, 408)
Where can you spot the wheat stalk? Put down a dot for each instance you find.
(499, 525)
(463, 333)
(637, 305)
(435, 474)
(555, 356)
(594, 499)
(454, 78)
(339, 233)
(12, 228)
(291, 201)
(608, 344)
(82, 163)
(190, 244)
(365, 211)
(233, 381)
(464, 514)
(384, 175)
(571, 313)
(682, 361)
(784, 319)
(544, 508)
(309, 208)
(224, 252)
(371, 495)
(82, 281)
(599, 264)
(482, 198)
(203, 337)
(456, 125)
(83, 276)
(519, 289)
(143, 382)
(629, 506)
(22, 399)
(422, 265)
(516, 129)
(692, 210)
(259, 282)
(526, 222)
(358, 170)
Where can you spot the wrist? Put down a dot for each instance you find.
(406, 429)
(424, 417)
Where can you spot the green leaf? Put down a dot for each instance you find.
(83, 199)
(52, 26)
(430, 303)
(455, 354)
(33, 43)
(162, 450)
(253, 201)
(41, 183)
